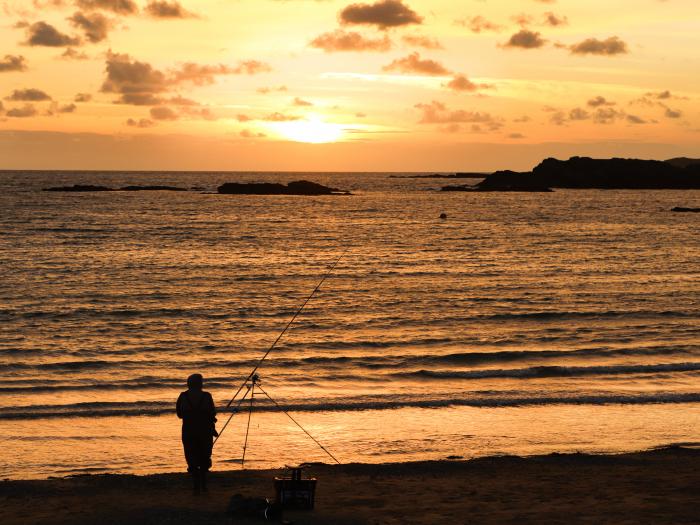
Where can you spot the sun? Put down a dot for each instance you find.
(312, 130)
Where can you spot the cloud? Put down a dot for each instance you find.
(94, 25)
(550, 19)
(655, 98)
(137, 83)
(68, 108)
(607, 115)
(163, 113)
(201, 113)
(82, 97)
(300, 102)
(13, 63)
(558, 118)
(673, 113)
(633, 119)
(437, 113)
(522, 19)
(579, 114)
(265, 89)
(478, 24)
(461, 83)
(602, 115)
(599, 101)
(57, 4)
(592, 46)
(414, 64)
(204, 74)
(280, 117)
(28, 110)
(246, 133)
(422, 41)
(664, 95)
(243, 118)
(43, 34)
(141, 123)
(384, 14)
(28, 95)
(516, 136)
(526, 39)
(164, 9)
(182, 101)
(340, 40)
(72, 54)
(121, 7)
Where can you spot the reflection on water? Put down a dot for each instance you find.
(524, 323)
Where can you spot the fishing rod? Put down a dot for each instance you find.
(260, 361)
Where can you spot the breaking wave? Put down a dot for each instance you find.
(154, 408)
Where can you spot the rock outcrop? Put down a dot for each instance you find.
(301, 187)
(504, 181)
(588, 173)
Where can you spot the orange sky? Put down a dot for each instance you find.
(390, 85)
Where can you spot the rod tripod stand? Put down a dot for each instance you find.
(252, 386)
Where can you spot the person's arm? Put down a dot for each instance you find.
(212, 407)
(178, 406)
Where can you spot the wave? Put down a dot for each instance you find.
(550, 371)
(210, 313)
(324, 366)
(556, 315)
(155, 408)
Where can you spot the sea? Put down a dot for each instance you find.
(522, 323)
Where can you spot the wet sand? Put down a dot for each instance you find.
(658, 486)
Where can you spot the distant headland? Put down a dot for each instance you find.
(587, 173)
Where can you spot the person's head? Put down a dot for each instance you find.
(195, 382)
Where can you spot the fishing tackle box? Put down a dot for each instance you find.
(295, 492)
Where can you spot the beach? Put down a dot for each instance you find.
(658, 486)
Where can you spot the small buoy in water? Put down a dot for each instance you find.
(443, 216)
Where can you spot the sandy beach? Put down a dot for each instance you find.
(648, 487)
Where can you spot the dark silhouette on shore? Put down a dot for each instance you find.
(587, 173)
(300, 187)
(196, 409)
(443, 176)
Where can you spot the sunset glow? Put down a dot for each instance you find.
(313, 131)
(424, 85)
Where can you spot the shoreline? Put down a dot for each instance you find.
(657, 485)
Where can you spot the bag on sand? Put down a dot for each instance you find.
(253, 507)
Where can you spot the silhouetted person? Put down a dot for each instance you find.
(196, 409)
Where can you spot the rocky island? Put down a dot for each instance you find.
(588, 173)
(301, 187)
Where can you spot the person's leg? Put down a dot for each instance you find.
(193, 462)
(206, 445)
(203, 479)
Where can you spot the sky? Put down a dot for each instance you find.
(336, 85)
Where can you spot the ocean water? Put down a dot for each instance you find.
(524, 323)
